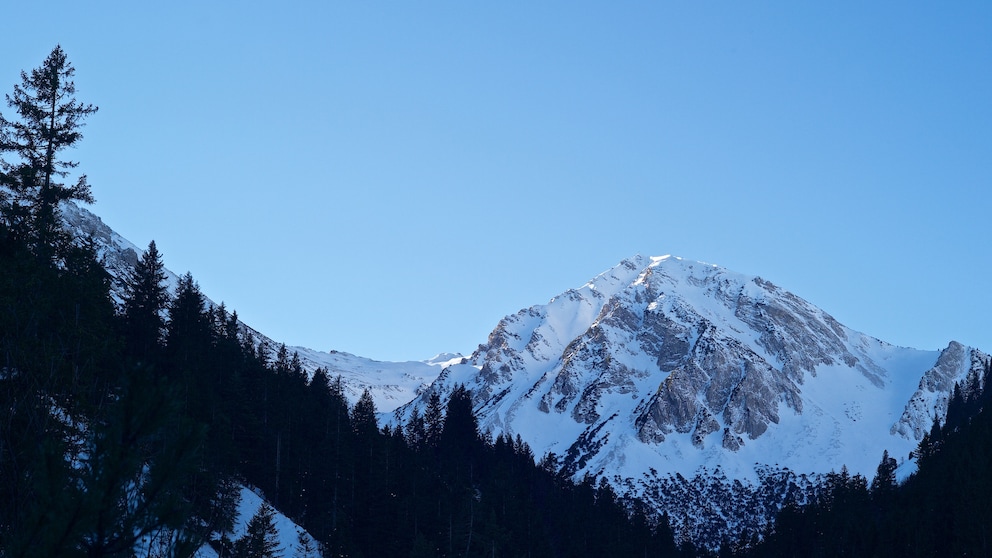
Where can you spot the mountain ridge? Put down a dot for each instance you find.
(390, 383)
(662, 374)
(564, 331)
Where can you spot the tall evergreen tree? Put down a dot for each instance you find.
(433, 419)
(363, 419)
(145, 298)
(415, 433)
(189, 330)
(460, 434)
(282, 360)
(306, 547)
(885, 477)
(261, 540)
(48, 122)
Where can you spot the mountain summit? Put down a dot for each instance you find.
(663, 368)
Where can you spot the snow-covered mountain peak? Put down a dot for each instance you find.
(663, 369)
(675, 364)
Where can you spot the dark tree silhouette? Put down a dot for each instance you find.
(48, 122)
(145, 298)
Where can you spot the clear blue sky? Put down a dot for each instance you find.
(390, 179)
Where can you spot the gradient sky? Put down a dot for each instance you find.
(391, 178)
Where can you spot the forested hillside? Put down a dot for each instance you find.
(137, 420)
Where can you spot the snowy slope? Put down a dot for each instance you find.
(290, 534)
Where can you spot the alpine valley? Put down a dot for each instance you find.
(715, 397)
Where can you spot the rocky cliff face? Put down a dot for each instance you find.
(956, 364)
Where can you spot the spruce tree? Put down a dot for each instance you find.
(296, 368)
(188, 332)
(885, 476)
(306, 547)
(282, 360)
(415, 432)
(261, 539)
(363, 419)
(460, 434)
(145, 298)
(433, 419)
(48, 122)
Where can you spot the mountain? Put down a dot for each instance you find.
(715, 397)
(662, 374)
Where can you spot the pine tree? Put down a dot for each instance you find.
(188, 332)
(296, 368)
(261, 539)
(145, 298)
(956, 409)
(306, 547)
(282, 360)
(460, 433)
(433, 419)
(415, 433)
(263, 353)
(49, 120)
(522, 448)
(363, 419)
(885, 477)
(930, 443)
